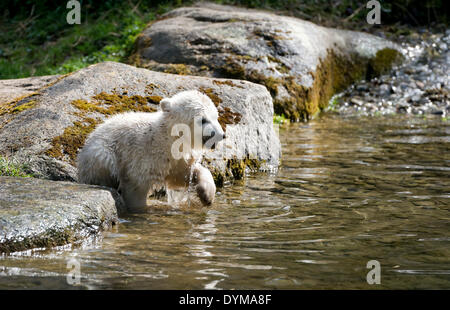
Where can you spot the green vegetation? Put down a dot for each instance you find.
(383, 61)
(35, 38)
(351, 13)
(38, 41)
(17, 105)
(333, 103)
(12, 168)
(280, 119)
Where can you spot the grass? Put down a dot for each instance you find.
(12, 168)
(36, 40)
(43, 43)
(333, 104)
(280, 119)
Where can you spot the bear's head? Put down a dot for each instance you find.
(193, 110)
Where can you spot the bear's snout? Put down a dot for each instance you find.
(213, 137)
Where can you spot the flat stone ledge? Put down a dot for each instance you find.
(37, 213)
(15, 88)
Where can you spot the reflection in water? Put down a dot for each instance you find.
(349, 191)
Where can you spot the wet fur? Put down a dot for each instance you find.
(132, 151)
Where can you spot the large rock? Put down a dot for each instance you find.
(40, 213)
(46, 129)
(302, 64)
(16, 88)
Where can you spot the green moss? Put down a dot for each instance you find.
(280, 119)
(87, 106)
(383, 61)
(17, 105)
(253, 164)
(180, 69)
(270, 38)
(212, 95)
(226, 116)
(272, 84)
(233, 69)
(51, 238)
(333, 74)
(109, 104)
(154, 99)
(297, 106)
(115, 103)
(236, 168)
(227, 82)
(281, 67)
(218, 176)
(25, 106)
(151, 87)
(72, 139)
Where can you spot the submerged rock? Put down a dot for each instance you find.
(38, 213)
(46, 129)
(302, 64)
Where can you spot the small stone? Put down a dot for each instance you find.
(356, 101)
(404, 108)
(415, 98)
(420, 84)
(362, 88)
(437, 112)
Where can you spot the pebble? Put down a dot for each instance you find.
(419, 86)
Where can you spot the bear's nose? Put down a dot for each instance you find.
(223, 136)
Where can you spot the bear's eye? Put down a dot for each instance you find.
(204, 121)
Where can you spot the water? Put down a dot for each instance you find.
(349, 191)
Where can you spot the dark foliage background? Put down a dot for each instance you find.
(35, 38)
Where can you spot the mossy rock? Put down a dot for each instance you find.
(47, 130)
(18, 105)
(383, 62)
(302, 65)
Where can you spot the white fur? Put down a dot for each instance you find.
(132, 151)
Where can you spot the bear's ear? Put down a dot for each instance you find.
(165, 104)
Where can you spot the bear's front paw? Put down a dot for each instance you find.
(205, 187)
(206, 192)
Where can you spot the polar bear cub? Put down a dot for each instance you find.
(139, 153)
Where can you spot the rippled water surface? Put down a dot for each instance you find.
(349, 191)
